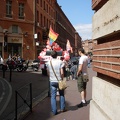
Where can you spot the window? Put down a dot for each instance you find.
(38, 1)
(37, 16)
(41, 17)
(47, 8)
(21, 10)
(41, 3)
(14, 29)
(8, 8)
(44, 21)
(44, 5)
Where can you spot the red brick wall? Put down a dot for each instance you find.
(26, 25)
(106, 58)
(97, 4)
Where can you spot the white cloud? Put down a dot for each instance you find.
(84, 30)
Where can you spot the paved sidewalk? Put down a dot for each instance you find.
(42, 111)
(40, 85)
(5, 94)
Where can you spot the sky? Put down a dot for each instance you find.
(79, 13)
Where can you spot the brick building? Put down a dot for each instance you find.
(78, 42)
(44, 17)
(89, 45)
(24, 27)
(16, 28)
(66, 31)
(105, 102)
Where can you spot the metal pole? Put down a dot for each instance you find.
(3, 73)
(4, 69)
(15, 105)
(31, 97)
(10, 74)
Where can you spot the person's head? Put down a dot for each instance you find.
(54, 54)
(81, 50)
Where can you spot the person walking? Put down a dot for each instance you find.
(82, 70)
(89, 61)
(58, 70)
(73, 70)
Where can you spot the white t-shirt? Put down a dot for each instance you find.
(57, 64)
(84, 60)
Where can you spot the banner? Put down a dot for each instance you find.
(52, 35)
(68, 47)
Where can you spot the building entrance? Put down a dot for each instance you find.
(14, 48)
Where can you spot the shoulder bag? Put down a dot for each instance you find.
(85, 78)
(61, 83)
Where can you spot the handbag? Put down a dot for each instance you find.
(61, 83)
(85, 78)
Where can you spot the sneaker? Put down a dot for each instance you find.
(81, 105)
(54, 113)
(64, 110)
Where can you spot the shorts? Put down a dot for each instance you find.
(81, 84)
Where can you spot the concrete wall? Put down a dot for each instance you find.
(107, 19)
(105, 104)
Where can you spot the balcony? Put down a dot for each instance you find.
(97, 4)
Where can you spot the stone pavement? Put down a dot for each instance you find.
(40, 87)
(42, 111)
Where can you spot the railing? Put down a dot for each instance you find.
(26, 101)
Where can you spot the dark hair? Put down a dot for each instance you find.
(82, 50)
(54, 54)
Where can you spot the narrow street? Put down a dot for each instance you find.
(42, 111)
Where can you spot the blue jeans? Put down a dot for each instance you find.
(53, 88)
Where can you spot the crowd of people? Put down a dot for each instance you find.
(63, 68)
(15, 57)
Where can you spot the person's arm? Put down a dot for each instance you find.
(48, 73)
(79, 69)
(62, 73)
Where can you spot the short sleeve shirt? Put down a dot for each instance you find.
(57, 65)
(84, 61)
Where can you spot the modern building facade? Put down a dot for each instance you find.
(105, 101)
(24, 27)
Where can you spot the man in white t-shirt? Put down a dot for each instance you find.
(58, 69)
(82, 70)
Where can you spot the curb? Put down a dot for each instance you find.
(3, 94)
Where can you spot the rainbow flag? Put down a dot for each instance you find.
(52, 35)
